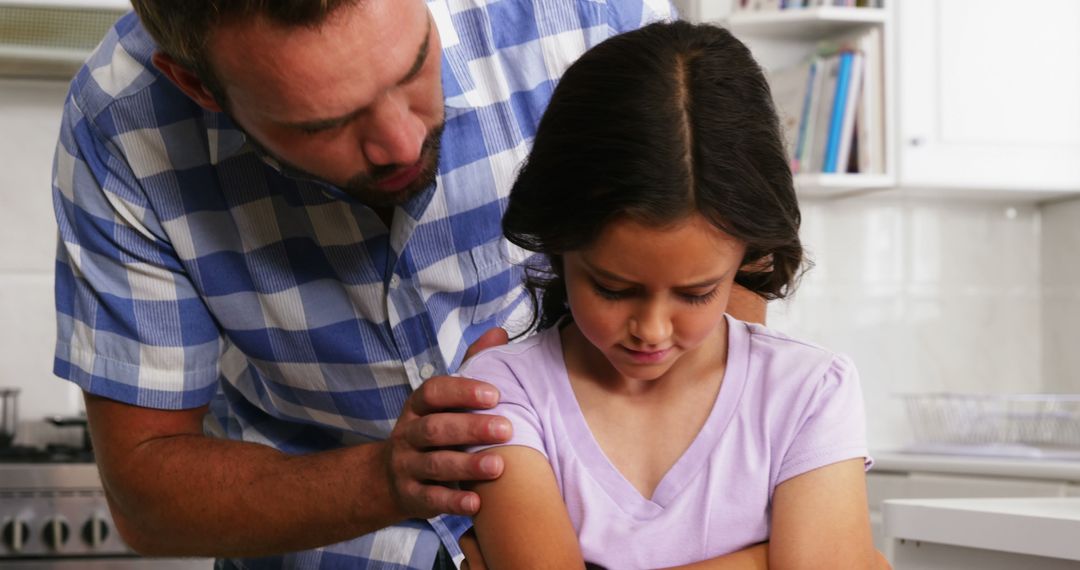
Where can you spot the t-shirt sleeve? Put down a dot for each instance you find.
(501, 370)
(130, 325)
(833, 425)
(626, 16)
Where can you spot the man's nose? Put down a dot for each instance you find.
(393, 135)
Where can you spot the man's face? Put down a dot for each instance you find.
(356, 101)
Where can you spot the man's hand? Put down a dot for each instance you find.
(422, 455)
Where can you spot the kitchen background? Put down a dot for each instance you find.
(956, 269)
(926, 293)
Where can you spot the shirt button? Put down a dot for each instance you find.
(394, 281)
(427, 371)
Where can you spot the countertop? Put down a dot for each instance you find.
(1033, 526)
(1000, 466)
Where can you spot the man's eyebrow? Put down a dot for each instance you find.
(321, 124)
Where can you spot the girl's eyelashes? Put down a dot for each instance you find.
(617, 295)
(701, 299)
(609, 294)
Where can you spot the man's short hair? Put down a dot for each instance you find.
(182, 28)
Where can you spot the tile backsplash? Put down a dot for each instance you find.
(1061, 296)
(925, 295)
(938, 295)
(29, 121)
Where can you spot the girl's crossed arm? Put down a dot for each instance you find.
(819, 520)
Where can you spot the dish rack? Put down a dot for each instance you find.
(1036, 425)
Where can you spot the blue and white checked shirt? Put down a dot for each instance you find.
(192, 271)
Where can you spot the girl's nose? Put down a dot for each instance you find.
(651, 325)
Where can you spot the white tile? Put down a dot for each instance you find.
(30, 114)
(925, 296)
(26, 347)
(1061, 361)
(1061, 244)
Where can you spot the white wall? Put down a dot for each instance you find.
(29, 122)
(1061, 296)
(925, 295)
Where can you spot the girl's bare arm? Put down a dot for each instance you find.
(522, 521)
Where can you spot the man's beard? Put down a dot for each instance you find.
(364, 186)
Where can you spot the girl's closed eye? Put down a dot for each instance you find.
(609, 293)
(700, 298)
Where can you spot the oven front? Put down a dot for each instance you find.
(54, 515)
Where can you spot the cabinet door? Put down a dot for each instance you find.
(989, 94)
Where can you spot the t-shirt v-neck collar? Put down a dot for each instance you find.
(692, 460)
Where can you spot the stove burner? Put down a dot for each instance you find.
(52, 453)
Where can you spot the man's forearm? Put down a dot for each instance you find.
(195, 495)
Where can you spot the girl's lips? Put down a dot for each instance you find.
(401, 178)
(646, 357)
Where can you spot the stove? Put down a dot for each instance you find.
(53, 514)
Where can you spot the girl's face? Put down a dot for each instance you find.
(647, 297)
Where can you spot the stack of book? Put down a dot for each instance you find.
(768, 5)
(832, 108)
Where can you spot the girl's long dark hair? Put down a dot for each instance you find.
(655, 125)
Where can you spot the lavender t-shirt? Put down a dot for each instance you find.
(785, 407)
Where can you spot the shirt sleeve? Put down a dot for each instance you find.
(833, 425)
(130, 325)
(625, 16)
(514, 402)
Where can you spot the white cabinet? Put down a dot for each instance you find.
(941, 477)
(982, 97)
(989, 94)
(989, 534)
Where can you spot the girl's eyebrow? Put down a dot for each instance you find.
(603, 273)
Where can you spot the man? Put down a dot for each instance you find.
(267, 264)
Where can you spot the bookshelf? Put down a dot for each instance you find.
(805, 24)
(782, 39)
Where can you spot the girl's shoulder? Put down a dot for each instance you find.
(541, 352)
(779, 355)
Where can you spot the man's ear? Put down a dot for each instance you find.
(186, 80)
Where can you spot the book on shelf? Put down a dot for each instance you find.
(843, 128)
(818, 142)
(790, 88)
(776, 5)
(870, 115)
(831, 107)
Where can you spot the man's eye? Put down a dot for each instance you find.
(319, 130)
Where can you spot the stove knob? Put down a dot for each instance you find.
(95, 531)
(16, 532)
(56, 533)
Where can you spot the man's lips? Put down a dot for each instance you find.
(401, 178)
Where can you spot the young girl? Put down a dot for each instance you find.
(651, 430)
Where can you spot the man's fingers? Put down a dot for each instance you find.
(452, 430)
(491, 337)
(436, 499)
(451, 393)
(453, 466)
